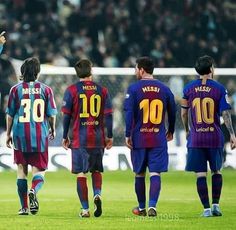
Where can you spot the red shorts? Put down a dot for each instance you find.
(38, 160)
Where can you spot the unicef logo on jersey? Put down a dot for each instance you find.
(90, 123)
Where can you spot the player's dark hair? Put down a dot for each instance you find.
(83, 68)
(30, 69)
(146, 63)
(204, 64)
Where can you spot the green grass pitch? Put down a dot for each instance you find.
(178, 207)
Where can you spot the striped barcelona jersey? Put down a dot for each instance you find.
(30, 103)
(146, 104)
(87, 102)
(206, 102)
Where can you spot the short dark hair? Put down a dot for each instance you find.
(204, 64)
(146, 63)
(30, 69)
(83, 68)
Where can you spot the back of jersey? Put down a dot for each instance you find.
(30, 103)
(146, 104)
(87, 103)
(206, 100)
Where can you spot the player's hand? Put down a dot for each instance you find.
(2, 38)
(66, 143)
(169, 136)
(109, 142)
(128, 142)
(9, 141)
(232, 142)
(52, 134)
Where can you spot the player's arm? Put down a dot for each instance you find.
(129, 117)
(66, 126)
(109, 127)
(52, 124)
(9, 122)
(228, 123)
(171, 112)
(2, 41)
(184, 115)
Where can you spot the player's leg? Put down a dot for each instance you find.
(157, 163)
(37, 183)
(39, 163)
(202, 190)
(197, 162)
(96, 169)
(80, 167)
(215, 161)
(139, 162)
(22, 188)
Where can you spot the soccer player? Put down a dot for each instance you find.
(204, 100)
(30, 108)
(146, 104)
(87, 105)
(2, 41)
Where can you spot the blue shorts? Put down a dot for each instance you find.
(156, 159)
(87, 159)
(197, 159)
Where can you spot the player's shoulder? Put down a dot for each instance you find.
(192, 84)
(216, 84)
(16, 87)
(44, 87)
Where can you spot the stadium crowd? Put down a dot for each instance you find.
(113, 32)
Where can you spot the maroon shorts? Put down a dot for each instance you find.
(38, 160)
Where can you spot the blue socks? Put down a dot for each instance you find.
(216, 188)
(203, 191)
(22, 189)
(154, 192)
(140, 191)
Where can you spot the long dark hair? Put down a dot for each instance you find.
(30, 69)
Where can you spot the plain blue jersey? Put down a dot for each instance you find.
(146, 104)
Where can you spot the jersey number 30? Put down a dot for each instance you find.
(152, 111)
(37, 110)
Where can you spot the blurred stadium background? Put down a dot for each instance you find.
(113, 33)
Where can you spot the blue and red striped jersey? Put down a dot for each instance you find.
(146, 104)
(30, 103)
(87, 103)
(206, 101)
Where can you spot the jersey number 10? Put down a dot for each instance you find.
(94, 105)
(204, 110)
(152, 111)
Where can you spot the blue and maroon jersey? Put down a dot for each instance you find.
(206, 101)
(30, 104)
(146, 104)
(87, 103)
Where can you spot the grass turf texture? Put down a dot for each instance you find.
(178, 208)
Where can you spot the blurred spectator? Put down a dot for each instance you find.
(174, 33)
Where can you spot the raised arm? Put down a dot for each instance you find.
(228, 123)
